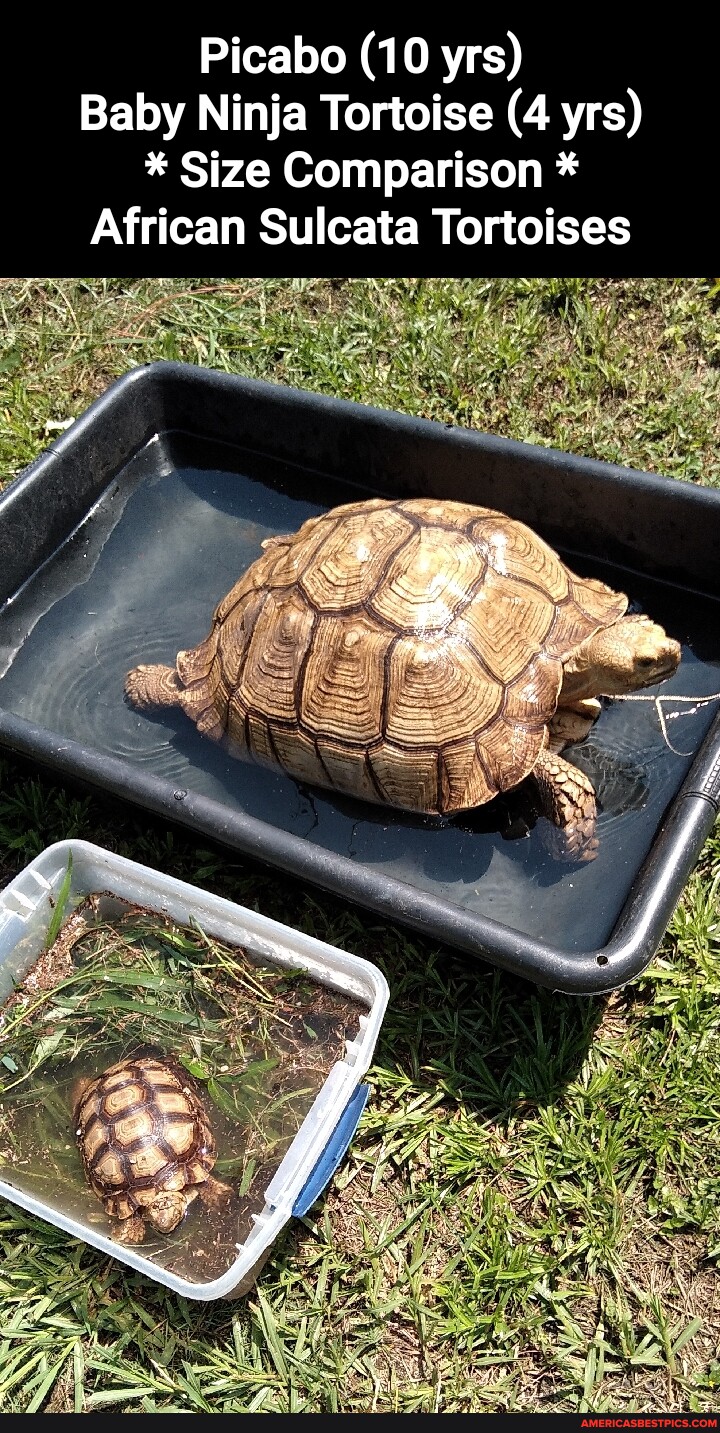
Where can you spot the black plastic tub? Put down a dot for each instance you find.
(117, 543)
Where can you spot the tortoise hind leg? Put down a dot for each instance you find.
(150, 687)
(568, 800)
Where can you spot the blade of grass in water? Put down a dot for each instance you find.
(58, 914)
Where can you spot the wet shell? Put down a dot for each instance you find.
(409, 653)
(141, 1130)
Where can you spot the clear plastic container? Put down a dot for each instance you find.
(26, 911)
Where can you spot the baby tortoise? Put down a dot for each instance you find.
(146, 1145)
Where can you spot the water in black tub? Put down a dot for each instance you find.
(140, 579)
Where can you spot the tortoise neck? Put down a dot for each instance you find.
(581, 677)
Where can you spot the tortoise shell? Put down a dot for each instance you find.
(142, 1131)
(406, 652)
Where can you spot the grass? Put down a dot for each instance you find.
(527, 1218)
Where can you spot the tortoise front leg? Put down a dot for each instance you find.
(214, 1194)
(129, 1231)
(572, 722)
(568, 800)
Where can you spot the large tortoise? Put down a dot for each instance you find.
(146, 1144)
(424, 654)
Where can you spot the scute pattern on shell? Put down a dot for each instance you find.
(141, 1129)
(407, 652)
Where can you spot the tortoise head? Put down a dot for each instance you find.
(167, 1210)
(631, 653)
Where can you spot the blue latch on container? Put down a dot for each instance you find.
(333, 1151)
